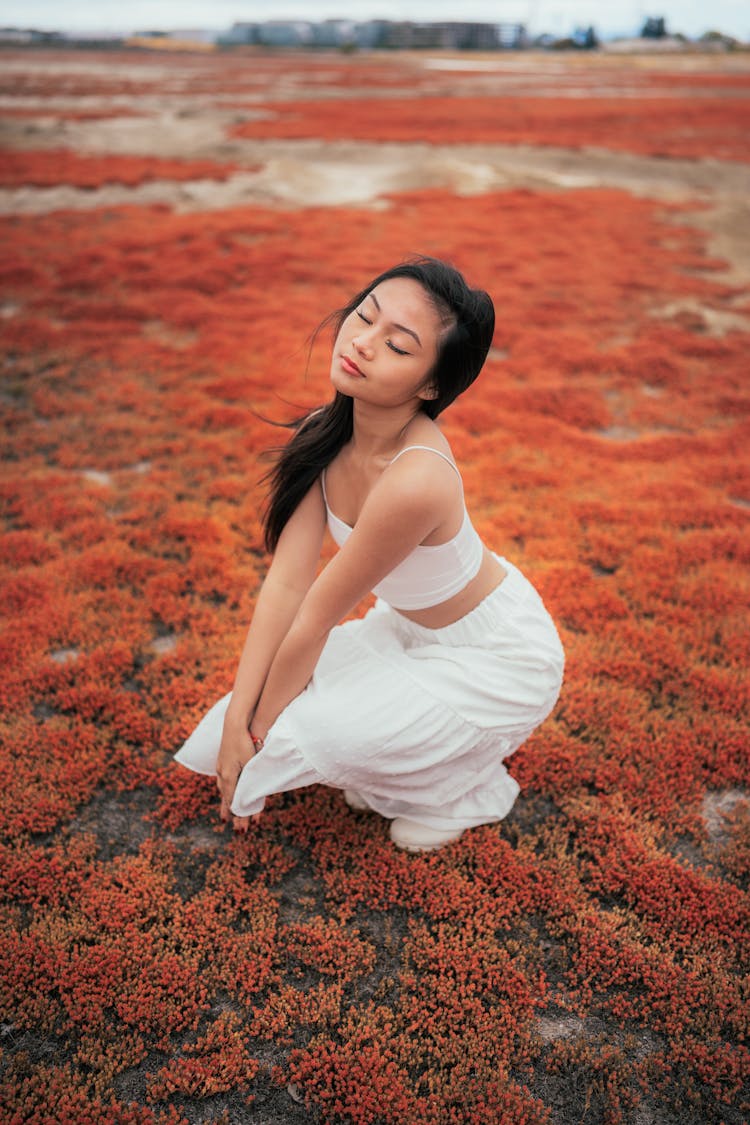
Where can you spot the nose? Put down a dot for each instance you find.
(361, 344)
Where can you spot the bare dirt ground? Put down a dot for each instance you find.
(177, 122)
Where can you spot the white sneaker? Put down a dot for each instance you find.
(413, 837)
(355, 801)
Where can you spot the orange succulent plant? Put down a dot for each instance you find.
(590, 947)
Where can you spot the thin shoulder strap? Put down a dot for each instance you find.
(323, 486)
(429, 449)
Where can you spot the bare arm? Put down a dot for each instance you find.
(404, 507)
(289, 578)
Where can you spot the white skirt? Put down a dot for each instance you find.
(418, 721)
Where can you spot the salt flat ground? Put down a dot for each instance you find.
(173, 225)
(155, 111)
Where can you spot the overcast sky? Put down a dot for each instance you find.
(557, 16)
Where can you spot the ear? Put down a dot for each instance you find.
(428, 392)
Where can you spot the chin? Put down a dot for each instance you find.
(341, 385)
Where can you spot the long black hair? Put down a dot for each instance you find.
(469, 317)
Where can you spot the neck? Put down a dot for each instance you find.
(376, 433)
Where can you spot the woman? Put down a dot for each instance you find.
(411, 709)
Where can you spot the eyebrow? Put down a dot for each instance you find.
(401, 327)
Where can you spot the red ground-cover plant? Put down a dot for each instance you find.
(47, 169)
(216, 1063)
(662, 126)
(230, 78)
(132, 72)
(60, 81)
(590, 99)
(603, 450)
(44, 110)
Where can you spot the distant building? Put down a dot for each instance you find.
(449, 35)
(453, 36)
(239, 35)
(31, 37)
(371, 33)
(286, 33)
(273, 33)
(15, 35)
(470, 36)
(335, 33)
(512, 36)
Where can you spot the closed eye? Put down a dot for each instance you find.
(398, 351)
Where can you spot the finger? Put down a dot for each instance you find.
(241, 823)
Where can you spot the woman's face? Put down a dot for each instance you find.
(386, 349)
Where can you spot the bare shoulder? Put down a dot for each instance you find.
(421, 484)
(426, 466)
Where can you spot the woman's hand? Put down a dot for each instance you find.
(235, 752)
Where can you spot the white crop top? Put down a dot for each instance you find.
(430, 574)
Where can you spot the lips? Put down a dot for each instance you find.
(350, 366)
